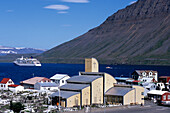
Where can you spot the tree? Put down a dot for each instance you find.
(17, 107)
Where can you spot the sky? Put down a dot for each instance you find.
(45, 24)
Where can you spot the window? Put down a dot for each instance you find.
(142, 93)
(62, 81)
(168, 97)
(164, 97)
(142, 98)
(1, 85)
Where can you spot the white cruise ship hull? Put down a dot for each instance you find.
(22, 64)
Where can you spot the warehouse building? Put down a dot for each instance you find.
(125, 95)
(92, 87)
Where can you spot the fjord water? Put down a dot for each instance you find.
(18, 73)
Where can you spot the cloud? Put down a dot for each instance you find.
(132, 2)
(57, 7)
(62, 12)
(76, 1)
(9, 11)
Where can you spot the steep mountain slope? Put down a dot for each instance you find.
(138, 34)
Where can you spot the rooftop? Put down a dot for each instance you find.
(59, 76)
(83, 79)
(34, 80)
(156, 92)
(118, 91)
(74, 86)
(64, 94)
(13, 85)
(121, 78)
(47, 84)
(5, 80)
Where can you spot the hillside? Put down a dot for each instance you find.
(138, 34)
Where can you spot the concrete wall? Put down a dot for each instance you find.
(129, 98)
(91, 65)
(109, 81)
(71, 101)
(63, 103)
(86, 96)
(97, 91)
(139, 94)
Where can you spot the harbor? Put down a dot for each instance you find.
(86, 92)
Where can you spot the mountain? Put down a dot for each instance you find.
(137, 34)
(4, 50)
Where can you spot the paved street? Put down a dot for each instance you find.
(148, 108)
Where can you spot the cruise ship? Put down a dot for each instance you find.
(27, 62)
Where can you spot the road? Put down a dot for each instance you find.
(149, 107)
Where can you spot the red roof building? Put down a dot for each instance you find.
(13, 85)
(5, 80)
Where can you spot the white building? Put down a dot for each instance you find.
(139, 74)
(15, 88)
(60, 79)
(5, 82)
(46, 86)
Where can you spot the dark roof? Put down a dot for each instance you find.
(64, 94)
(91, 73)
(74, 86)
(47, 84)
(83, 79)
(118, 91)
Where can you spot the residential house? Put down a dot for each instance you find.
(44, 86)
(29, 83)
(60, 79)
(5, 82)
(140, 74)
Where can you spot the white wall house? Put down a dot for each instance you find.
(139, 74)
(46, 86)
(16, 88)
(5, 82)
(60, 79)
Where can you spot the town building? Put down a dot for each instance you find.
(44, 86)
(60, 79)
(140, 74)
(29, 83)
(90, 87)
(5, 82)
(125, 95)
(164, 79)
(160, 97)
(15, 88)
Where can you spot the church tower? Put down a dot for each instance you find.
(91, 65)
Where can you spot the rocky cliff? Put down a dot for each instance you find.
(138, 34)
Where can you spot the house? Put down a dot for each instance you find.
(15, 88)
(5, 82)
(165, 100)
(43, 86)
(60, 79)
(160, 86)
(164, 79)
(29, 83)
(161, 97)
(139, 74)
(148, 87)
